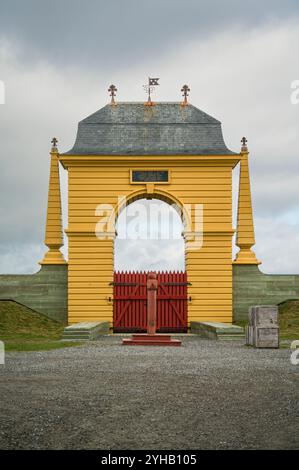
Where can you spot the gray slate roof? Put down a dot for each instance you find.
(136, 129)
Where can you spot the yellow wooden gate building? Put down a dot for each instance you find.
(169, 151)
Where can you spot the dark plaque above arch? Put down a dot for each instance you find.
(149, 176)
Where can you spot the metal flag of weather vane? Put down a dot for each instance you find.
(149, 88)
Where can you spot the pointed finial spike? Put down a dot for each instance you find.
(54, 228)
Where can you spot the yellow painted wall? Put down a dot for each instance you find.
(204, 180)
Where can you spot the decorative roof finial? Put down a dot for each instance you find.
(152, 82)
(244, 147)
(185, 89)
(54, 143)
(112, 90)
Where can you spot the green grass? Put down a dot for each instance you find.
(242, 323)
(289, 320)
(23, 329)
(20, 345)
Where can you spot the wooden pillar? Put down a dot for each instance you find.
(54, 234)
(245, 227)
(152, 287)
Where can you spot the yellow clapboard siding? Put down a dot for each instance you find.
(220, 319)
(80, 280)
(206, 300)
(111, 189)
(218, 201)
(85, 255)
(203, 257)
(200, 192)
(86, 260)
(217, 309)
(175, 178)
(182, 173)
(87, 271)
(93, 220)
(91, 260)
(213, 263)
(208, 243)
(78, 249)
(204, 192)
(225, 287)
(100, 310)
(90, 318)
(210, 274)
(94, 243)
(91, 206)
(93, 211)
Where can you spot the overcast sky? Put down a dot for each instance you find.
(58, 58)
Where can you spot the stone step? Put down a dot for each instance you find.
(155, 337)
(77, 332)
(152, 342)
(231, 337)
(78, 337)
(86, 330)
(216, 330)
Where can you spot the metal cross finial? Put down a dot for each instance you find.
(112, 90)
(185, 89)
(244, 143)
(54, 142)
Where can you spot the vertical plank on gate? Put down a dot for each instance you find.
(123, 294)
(145, 302)
(167, 278)
(114, 295)
(185, 301)
(130, 310)
(130, 303)
(159, 303)
(133, 315)
(162, 304)
(172, 318)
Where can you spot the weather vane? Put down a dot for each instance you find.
(112, 90)
(152, 82)
(185, 89)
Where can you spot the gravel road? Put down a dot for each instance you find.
(204, 395)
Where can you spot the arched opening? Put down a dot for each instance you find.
(149, 236)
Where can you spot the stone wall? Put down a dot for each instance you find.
(44, 291)
(252, 287)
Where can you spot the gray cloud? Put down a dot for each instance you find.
(241, 76)
(122, 33)
(149, 255)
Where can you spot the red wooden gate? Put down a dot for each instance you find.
(129, 302)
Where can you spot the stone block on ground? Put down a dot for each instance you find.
(266, 337)
(263, 315)
(249, 335)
